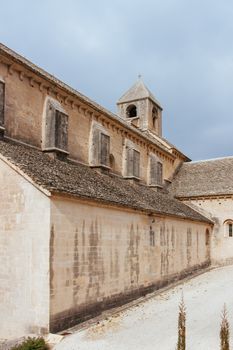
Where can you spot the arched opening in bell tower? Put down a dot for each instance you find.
(131, 111)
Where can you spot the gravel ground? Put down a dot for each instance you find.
(153, 324)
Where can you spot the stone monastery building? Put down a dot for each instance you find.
(96, 208)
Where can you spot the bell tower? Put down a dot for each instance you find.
(140, 108)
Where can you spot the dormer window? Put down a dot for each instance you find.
(104, 149)
(133, 163)
(100, 150)
(56, 128)
(131, 111)
(61, 124)
(155, 172)
(2, 106)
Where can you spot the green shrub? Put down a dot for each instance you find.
(32, 344)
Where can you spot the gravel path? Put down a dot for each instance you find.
(153, 324)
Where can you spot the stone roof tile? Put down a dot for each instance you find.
(66, 177)
(204, 178)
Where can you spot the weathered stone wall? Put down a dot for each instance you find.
(24, 256)
(219, 210)
(26, 96)
(102, 256)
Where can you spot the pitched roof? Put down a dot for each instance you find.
(66, 177)
(204, 178)
(137, 92)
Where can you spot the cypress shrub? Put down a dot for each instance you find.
(224, 331)
(181, 343)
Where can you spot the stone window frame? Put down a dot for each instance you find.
(98, 137)
(131, 161)
(54, 127)
(155, 171)
(228, 228)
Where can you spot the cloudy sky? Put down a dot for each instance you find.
(182, 48)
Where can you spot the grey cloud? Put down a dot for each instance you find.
(182, 48)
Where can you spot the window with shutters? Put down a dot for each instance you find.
(104, 149)
(56, 128)
(156, 172)
(2, 104)
(133, 163)
(100, 148)
(61, 130)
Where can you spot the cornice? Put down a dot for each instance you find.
(37, 78)
(206, 197)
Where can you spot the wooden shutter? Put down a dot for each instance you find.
(2, 103)
(61, 130)
(50, 127)
(95, 147)
(153, 171)
(160, 173)
(130, 161)
(156, 172)
(104, 149)
(136, 163)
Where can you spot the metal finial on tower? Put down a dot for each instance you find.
(139, 77)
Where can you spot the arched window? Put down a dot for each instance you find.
(131, 111)
(154, 116)
(228, 228)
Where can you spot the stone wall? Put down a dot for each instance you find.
(24, 256)
(219, 210)
(26, 96)
(102, 256)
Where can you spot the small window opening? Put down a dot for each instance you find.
(228, 228)
(207, 237)
(131, 111)
(154, 116)
(152, 237)
(230, 231)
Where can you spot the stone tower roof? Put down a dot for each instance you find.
(138, 91)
